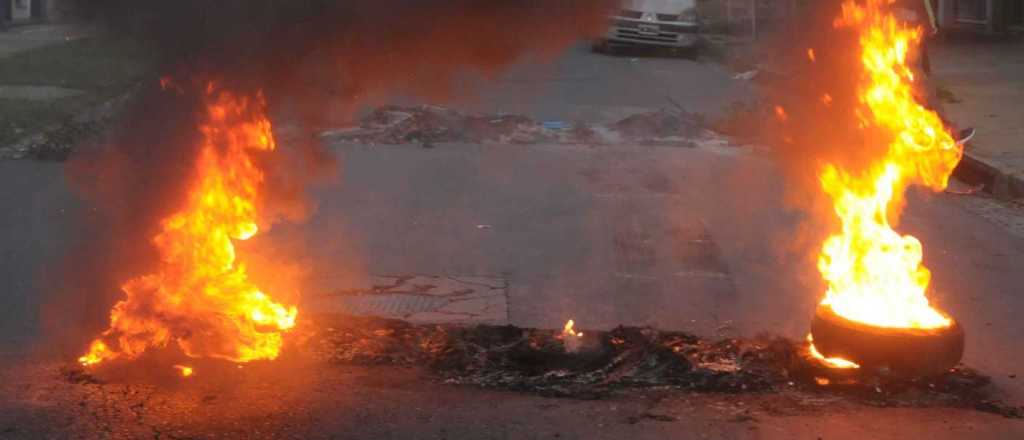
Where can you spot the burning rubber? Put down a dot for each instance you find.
(905, 352)
(876, 316)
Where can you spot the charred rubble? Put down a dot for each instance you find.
(613, 363)
(536, 361)
(430, 124)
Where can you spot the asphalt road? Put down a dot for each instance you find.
(697, 239)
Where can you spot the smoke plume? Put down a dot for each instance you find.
(316, 62)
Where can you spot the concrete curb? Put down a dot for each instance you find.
(975, 171)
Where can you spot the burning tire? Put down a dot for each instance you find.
(907, 352)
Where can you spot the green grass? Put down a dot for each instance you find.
(91, 63)
(20, 118)
(102, 68)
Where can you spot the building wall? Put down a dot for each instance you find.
(985, 15)
(738, 16)
(54, 9)
(21, 9)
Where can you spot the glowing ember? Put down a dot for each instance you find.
(199, 297)
(185, 371)
(811, 56)
(831, 362)
(569, 332)
(874, 274)
(571, 338)
(781, 114)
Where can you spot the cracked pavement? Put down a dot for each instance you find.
(421, 299)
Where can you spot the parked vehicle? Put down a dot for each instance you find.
(658, 23)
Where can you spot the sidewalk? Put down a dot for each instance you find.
(986, 79)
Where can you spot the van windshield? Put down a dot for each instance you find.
(660, 6)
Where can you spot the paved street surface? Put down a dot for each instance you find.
(387, 403)
(696, 239)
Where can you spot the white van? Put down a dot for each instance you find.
(662, 23)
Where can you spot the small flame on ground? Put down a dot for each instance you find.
(185, 371)
(571, 338)
(568, 331)
(811, 56)
(831, 362)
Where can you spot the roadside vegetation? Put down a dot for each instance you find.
(99, 69)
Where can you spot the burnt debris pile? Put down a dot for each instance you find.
(429, 124)
(534, 360)
(538, 361)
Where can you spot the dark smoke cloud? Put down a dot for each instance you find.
(327, 54)
(316, 61)
(815, 130)
(818, 130)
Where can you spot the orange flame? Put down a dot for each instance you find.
(874, 274)
(184, 370)
(569, 332)
(199, 296)
(571, 338)
(831, 362)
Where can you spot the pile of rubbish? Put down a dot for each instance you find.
(428, 125)
(56, 144)
(541, 361)
(533, 360)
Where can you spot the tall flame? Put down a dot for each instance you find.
(874, 274)
(199, 296)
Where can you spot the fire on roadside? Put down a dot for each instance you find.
(874, 274)
(568, 332)
(199, 297)
(831, 362)
(571, 338)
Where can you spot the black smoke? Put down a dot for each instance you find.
(315, 61)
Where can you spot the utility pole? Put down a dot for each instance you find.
(753, 18)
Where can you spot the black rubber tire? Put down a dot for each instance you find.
(903, 352)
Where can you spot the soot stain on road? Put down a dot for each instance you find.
(345, 357)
